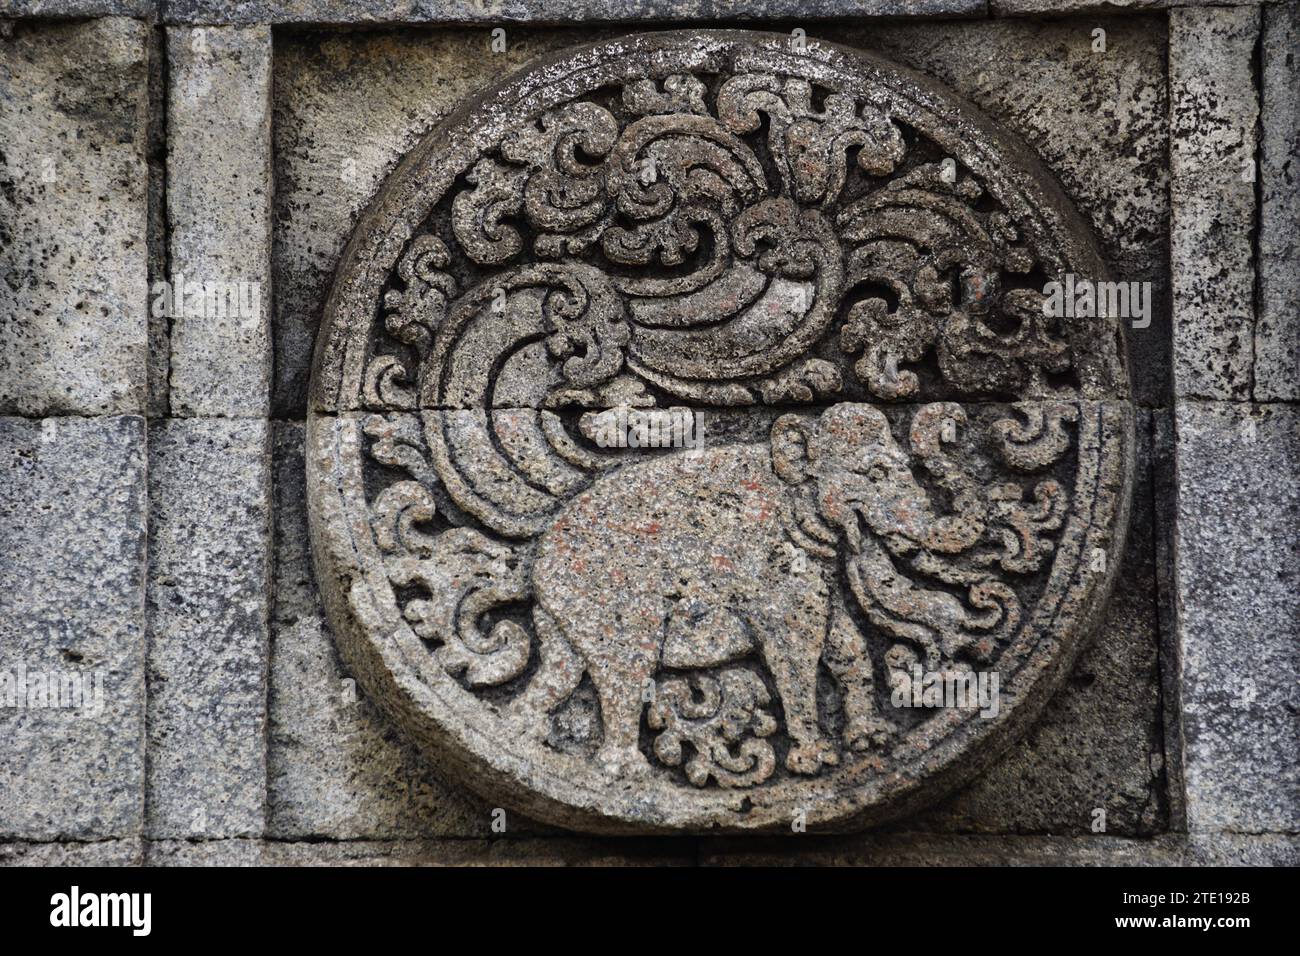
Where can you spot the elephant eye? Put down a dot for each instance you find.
(877, 473)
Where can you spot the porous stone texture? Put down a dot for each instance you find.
(76, 8)
(1214, 110)
(100, 853)
(629, 642)
(349, 105)
(159, 368)
(219, 210)
(1000, 8)
(1099, 120)
(72, 566)
(1164, 475)
(73, 215)
(337, 768)
(1100, 742)
(209, 554)
(1062, 7)
(909, 849)
(1277, 332)
(1241, 849)
(549, 852)
(265, 748)
(546, 11)
(1237, 564)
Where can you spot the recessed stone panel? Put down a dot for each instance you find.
(579, 598)
(73, 218)
(72, 641)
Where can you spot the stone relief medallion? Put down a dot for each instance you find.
(691, 448)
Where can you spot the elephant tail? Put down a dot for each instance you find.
(558, 674)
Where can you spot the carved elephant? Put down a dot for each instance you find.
(692, 560)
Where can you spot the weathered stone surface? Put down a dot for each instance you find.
(806, 289)
(1099, 743)
(489, 571)
(219, 105)
(336, 767)
(1277, 331)
(1239, 849)
(1238, 557)
(72, 519)
(76, 8)
(99, 853)
(915, 849)
(504, 852)
(73, 212)
(546, 11)
(228, 852)
(159, 369)
(1098, 119)
(209, 494)
(1029, 7)
(718, 637)
(1214, 110)
(1001, 8)
(1165, 492)
(348, 106)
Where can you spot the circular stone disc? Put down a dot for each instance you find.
(699, 440)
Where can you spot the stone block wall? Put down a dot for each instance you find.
(153, 530)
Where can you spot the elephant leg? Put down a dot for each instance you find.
(620, 686)
(848, 661)
(792, 662)
(558, 675)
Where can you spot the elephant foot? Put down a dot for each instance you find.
(623, 762)
(867, 733)
(808, 758)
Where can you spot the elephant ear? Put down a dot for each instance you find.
(792, 448)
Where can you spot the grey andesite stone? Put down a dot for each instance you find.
(209, 496)
(1277, 333)
(1099, 742)
(534, 851)
(1214, 109)
(73, 216)
(1060, 7)
(547, 11)
(915, 849)
(716, 638)
(98, 853)
(1238, 593)
(1242, 849)
(337, 768)
(72, 564)
(347, 107)
(1098, 120)
(76, 8)
(219, 210)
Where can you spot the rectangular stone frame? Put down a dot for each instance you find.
(1223, 451)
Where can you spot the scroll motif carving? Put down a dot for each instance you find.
(897, 460)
